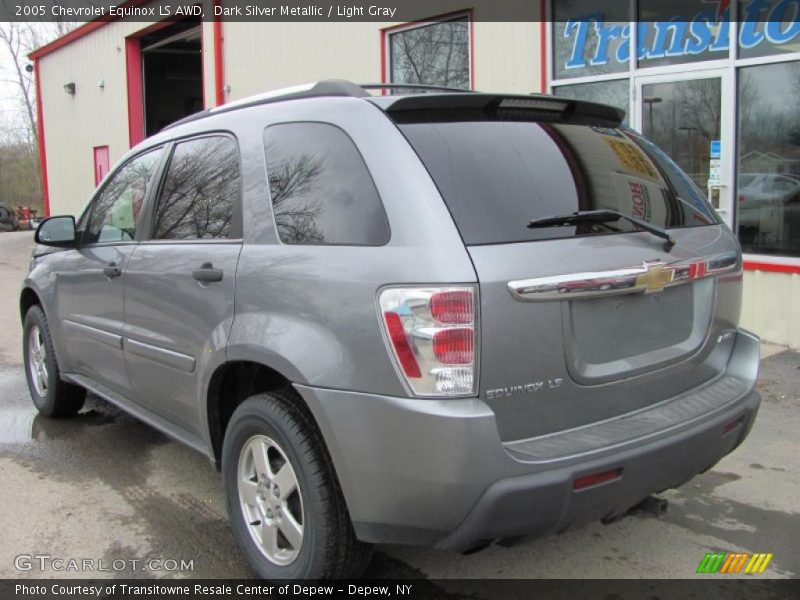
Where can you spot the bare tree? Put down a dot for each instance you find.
(17, 40)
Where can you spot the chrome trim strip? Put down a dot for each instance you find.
(649, 277)
(105, 337)
(176, 360)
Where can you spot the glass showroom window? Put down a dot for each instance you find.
(432, 54)
(614, 92)
(769, 159)
(591, 38)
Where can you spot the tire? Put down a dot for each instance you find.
(274, 426)
(52, 396)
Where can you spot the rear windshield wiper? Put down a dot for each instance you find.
(602, 216)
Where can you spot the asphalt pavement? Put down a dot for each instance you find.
(102, 486)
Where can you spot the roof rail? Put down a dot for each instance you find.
(412, 86)
(326, 87)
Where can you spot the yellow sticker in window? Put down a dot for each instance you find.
(631, 157)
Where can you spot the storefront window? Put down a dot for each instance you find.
(615, 93)
(681, 31)
(684, 118)
(432, 54)
(590, 37)
(768, 188)
(768, 27)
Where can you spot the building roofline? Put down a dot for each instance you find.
(82, 31)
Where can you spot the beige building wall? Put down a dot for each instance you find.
(94, 116)
(262, 57)
(771, 306)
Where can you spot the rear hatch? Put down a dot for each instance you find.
(580, 322)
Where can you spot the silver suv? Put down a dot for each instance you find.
(438, 318)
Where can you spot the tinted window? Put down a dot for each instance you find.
(496, 176)
(322, 192)
(115, 211)
(200, 189)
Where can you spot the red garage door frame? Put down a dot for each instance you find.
(133, 63)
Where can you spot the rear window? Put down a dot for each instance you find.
(496, 176)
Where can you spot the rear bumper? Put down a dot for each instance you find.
(436, 472)
(542, 503)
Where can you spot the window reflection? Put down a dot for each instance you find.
(200, 188)
(768, 27)
(496, 176)
(116, 210)
(769, 159)
(433, 54)
(614, 93)
(320, 188)
(684, 118)
(590, 37)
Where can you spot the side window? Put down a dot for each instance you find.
(114, 212)
(200, 188)
(321, 190)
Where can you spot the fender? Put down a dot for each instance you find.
(301, 350)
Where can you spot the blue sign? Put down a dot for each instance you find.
(716, 148)
(707, 31)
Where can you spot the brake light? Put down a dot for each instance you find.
(453, 346)
(454, 307)
(432, 336)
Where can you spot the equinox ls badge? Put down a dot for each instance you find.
(526, 388)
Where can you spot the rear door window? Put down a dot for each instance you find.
(201, 188)
(322, 192)
(496, 176)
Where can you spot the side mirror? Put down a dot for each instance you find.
(57, 231)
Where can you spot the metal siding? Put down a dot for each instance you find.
(74, 125)
(771, 306)
(274, 55)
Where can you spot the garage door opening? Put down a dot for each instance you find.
(172, 74)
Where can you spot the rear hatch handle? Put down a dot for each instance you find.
(649, 277)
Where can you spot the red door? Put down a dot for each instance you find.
(101, 163)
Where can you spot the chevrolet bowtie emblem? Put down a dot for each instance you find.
(656, 278)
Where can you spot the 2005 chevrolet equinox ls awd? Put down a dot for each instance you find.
(441, 318)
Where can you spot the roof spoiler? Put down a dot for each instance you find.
(463, 103)
(481, 106)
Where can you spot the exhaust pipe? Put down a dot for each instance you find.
(655, 506)
(651, 505)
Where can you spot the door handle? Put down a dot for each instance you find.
(112, 270)
(207, 273)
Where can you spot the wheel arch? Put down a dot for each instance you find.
(28, 297)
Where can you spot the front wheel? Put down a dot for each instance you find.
(283, 498)
(52, 396)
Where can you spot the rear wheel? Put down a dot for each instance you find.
(283, 498)
(51, 396)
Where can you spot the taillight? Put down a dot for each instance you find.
(431, 333)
